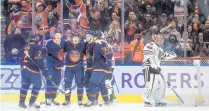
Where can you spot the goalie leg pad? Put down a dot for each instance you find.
(159, 89)
(154, 89)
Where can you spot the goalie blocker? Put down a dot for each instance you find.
(155, 85)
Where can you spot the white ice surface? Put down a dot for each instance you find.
(13, 106)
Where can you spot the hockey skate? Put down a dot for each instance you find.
(154, 104)
(113, 99)
(105, 103)
(162, 103)
(90, 104)
(80, 103)
(22, 105)
(54, 102)
(149, 102)
(47, 102)
(34, 105)
(66, 104)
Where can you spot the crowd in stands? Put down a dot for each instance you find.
(142, 19)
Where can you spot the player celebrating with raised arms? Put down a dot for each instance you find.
(155, 83)
(75, 49)
(31, 65)
(55, 62)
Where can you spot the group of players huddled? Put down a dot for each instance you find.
(49, 60)
(96, 77)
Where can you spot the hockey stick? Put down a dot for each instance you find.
(169, 85)
(116, 84)
(47, 77)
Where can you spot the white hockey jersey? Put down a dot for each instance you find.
(153, 54)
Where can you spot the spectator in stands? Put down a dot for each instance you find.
(78, 8)
(195, 24)
(115, 31)
(13, 43)
(180, 24)
(41, 19)
(171, 28)
(148, 35)
(97, 21)
(52, 20)
(190, 32)
(173, 45)
(140, 9)
(136, 48)
(148, 21)
(131, 26)
(206, 31)
(42, 28)
(166, 35)
(201, 48)
(52, 32)
(163, 21)
(189, 47)
(115, 16)
(13, 30)
(57, 10)
(68, 35)
(26, 15)
(15, 10)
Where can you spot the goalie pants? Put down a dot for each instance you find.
(155, 86)
(54, 75)
(30, 78)
(78, 73)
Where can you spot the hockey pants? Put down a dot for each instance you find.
(78, 73)
(29, 78)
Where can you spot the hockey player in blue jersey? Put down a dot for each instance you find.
(89, 54)
(55, 62)
(31, 65)
(76, 49)
(98, 77)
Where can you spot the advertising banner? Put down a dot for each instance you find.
(129, 79)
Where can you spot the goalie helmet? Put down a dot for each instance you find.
(158, 39)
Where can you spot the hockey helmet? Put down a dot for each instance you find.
(32, 37)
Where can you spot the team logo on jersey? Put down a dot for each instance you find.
(24, 19)
(74, 55)
(39, 20)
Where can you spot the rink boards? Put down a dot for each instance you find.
(130, 81)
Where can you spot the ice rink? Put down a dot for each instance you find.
(9, 106)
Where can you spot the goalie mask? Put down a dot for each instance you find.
(158, 39)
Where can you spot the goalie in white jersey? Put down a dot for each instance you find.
(155, 84)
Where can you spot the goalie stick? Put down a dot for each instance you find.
(169, 85)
